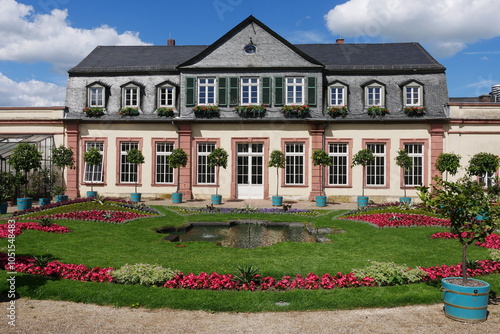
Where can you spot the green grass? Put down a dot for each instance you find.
(113, 245)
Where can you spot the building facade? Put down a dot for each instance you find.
(252, 92)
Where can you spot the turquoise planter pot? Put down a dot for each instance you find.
(91, 194)
(277, 200)
(3, 208)
(135, 197)
(24, 203)
(465, 303)
(61, 198)
(320, 200)
(44, 201)
(405, 200)
(216, 199)
(362, 201)
(176, 198)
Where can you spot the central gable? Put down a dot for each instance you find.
(251, 44)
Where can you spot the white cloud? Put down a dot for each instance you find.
(306, 37)
(30, 93)
(26, 36)
(445, 26)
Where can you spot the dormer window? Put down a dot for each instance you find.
(337, 95)
(131, 96)
(166, 96)
(412, 95)
(375, 95)
(96, 96)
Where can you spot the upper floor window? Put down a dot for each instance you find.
(412, 95)
(130, 95)
(166, 96)
(337, 95)
(207, 91)
(374, 95)
(96, 96)
(249, 91)
(294, 90)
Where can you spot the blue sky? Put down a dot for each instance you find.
(41, 39)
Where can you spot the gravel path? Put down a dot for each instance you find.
(34, 316)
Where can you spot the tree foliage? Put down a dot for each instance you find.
(483, 163)
(277, 160)
(25, 158)
(448, 162)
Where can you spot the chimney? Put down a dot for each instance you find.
(171, 42)
(340, 41)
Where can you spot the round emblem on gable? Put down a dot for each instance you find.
(250, 48)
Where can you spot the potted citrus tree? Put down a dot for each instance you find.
(92, 158)
(277, 160)
(62, 157)
(404, 161)
(465, 299)
(25, 158)
(363, 158)
(135, 157)
(217, 158)
(448, 163)
(322, 159)
(7, 186)
(177, 159)
(44, 180)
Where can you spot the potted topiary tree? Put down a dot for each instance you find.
(404, 161)
(44, 179)
(7, 186)
(177, 159)
(449, 163)
(483, 165)
(25, 158)
(363, 158)
(277, 160)
(322, 159)
(62, 157)
(135, 157)
(92, 158)
(217, 158)
(465, 299)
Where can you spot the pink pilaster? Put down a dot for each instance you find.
(316, 143)
(72, 134)
(437, 146)
(185, 139)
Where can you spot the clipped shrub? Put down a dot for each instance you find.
(390, 273)
(143, 274)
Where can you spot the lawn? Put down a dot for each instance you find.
(106, 244)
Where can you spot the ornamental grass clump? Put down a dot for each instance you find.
(143, 274)
(390, 273)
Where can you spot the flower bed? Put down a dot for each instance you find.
(399, 220)
(492, 241)
(19, 227)
(99, 216)
(184, 211)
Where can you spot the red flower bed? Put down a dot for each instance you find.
(19, 227)
(57, 269)
(484, 267)
(99, 215)
(399, 220)
(491, 241)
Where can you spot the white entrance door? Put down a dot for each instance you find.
(250, 171)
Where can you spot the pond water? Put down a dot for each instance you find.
(247, 235)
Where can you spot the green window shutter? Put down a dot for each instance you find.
(266, 91)
(222, 92)
(278, 91)
(311, 91)
(233, 91)
(190, 91)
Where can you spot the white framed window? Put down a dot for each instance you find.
(204, 173)
(166, 96)
(207, 91)
(128, 171)
(131, 96)
(376, 170)
(249, 91)
(294, 90)
(374, 95)
(337, 95)
(338, 171)
(294, 163)
(415, 175)
(488, 179)
(96, 96)
(164, 174)
(94, 173)
(413, 95)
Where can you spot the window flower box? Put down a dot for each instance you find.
(251, 111)
(93, 111)
(338, 111)
(165, 112)
(375, 111)
(295, 111)
(129, 111)
(206, 111)
(414, 111)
